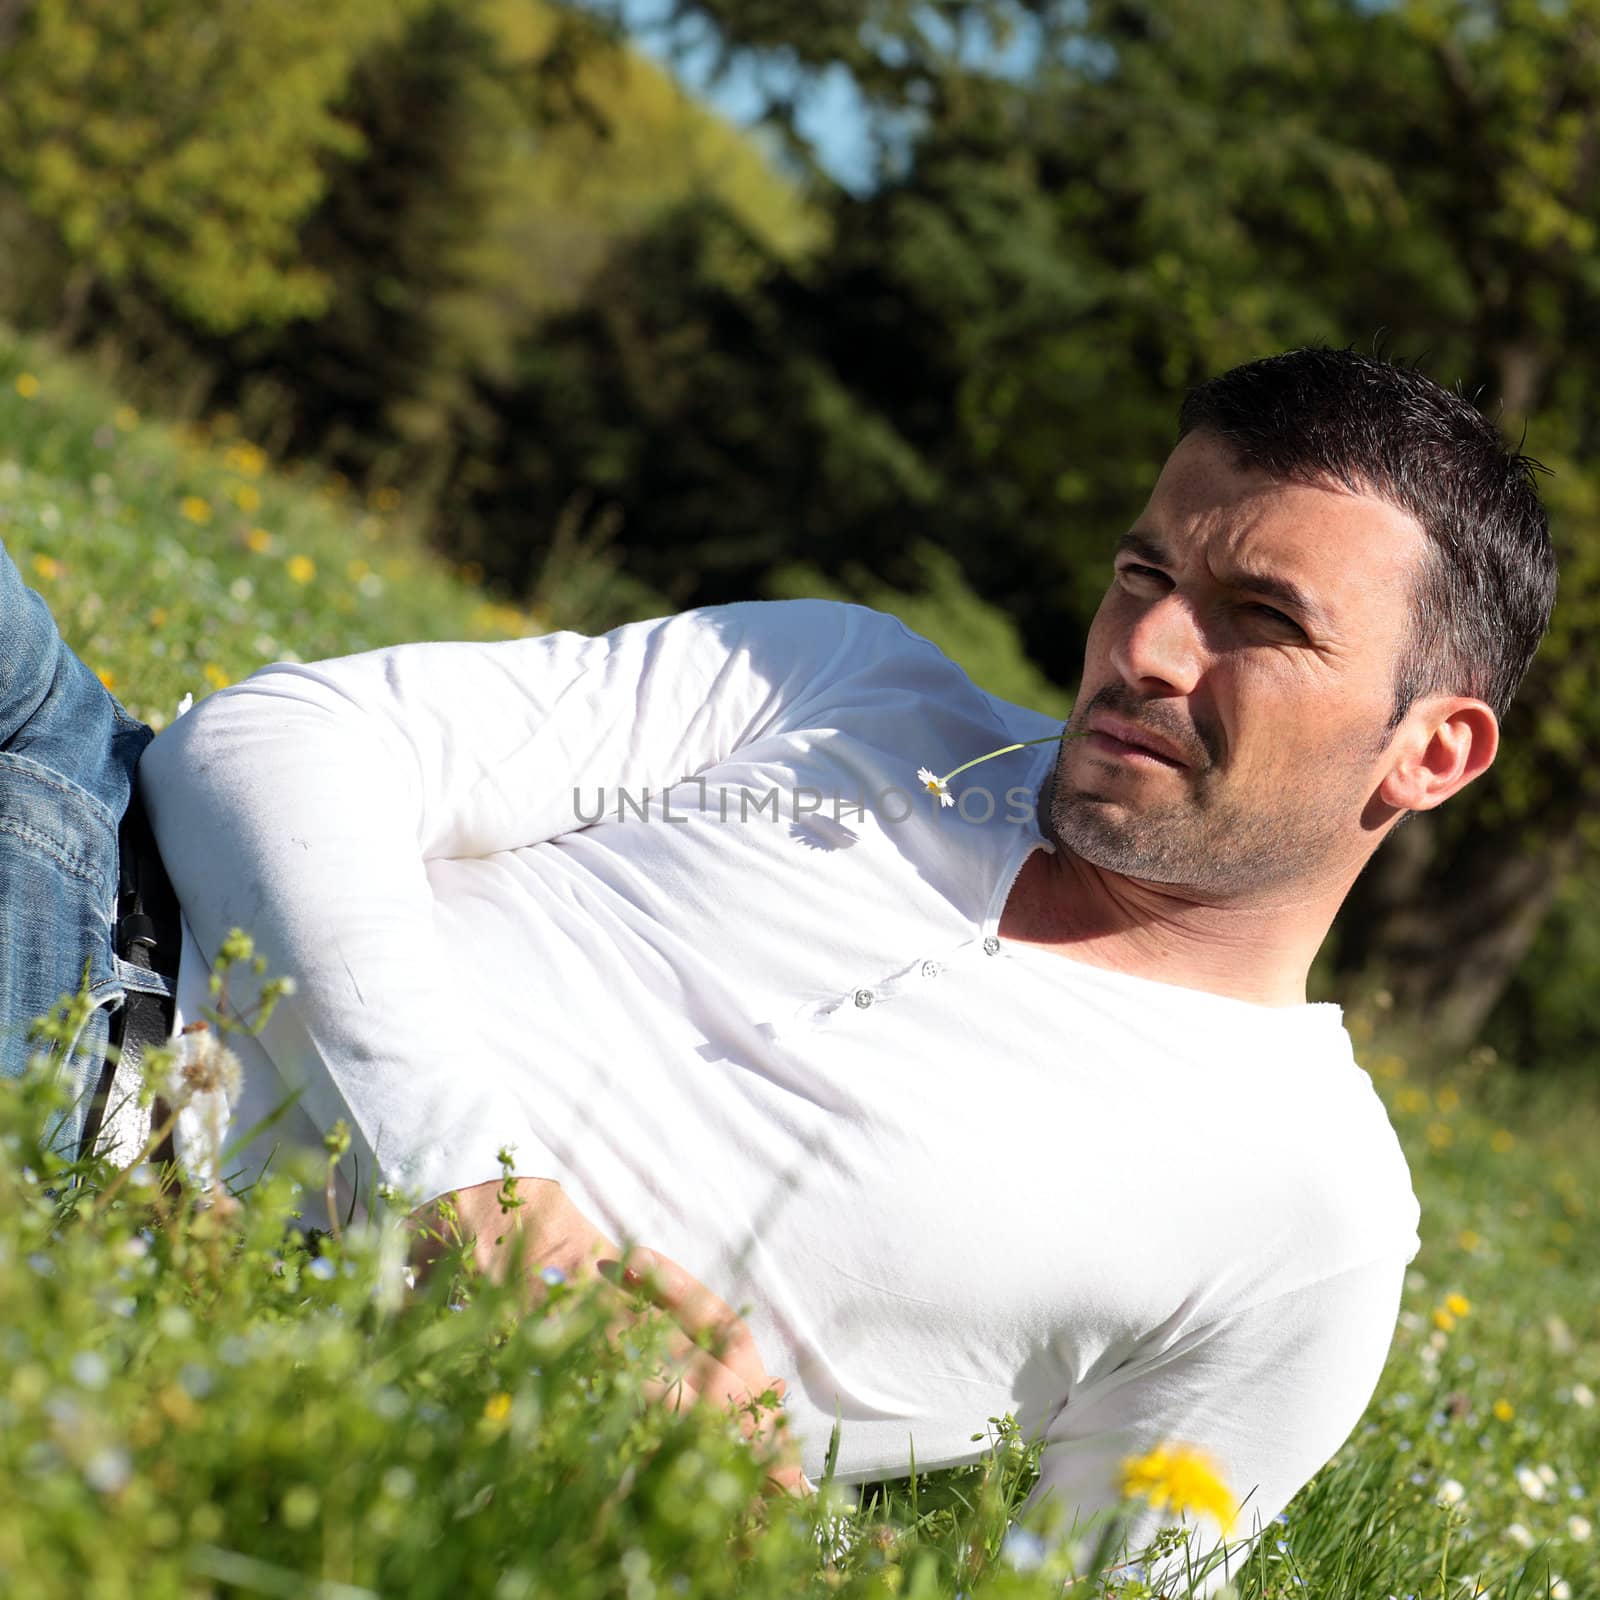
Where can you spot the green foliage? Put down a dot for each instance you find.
(200, 194)
(174, 561)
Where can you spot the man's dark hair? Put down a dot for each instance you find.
(1483, 598)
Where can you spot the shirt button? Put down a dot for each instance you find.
(991, 946)
(864, 998)
(930, 969)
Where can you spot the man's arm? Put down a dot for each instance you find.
(711, 1358)
(305, 804)
(1270, 1393)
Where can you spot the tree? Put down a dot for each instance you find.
(178, 144)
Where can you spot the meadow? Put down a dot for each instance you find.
(251, 1401)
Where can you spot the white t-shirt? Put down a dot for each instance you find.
(951, 1177)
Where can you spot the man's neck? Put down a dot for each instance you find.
(1258, 952)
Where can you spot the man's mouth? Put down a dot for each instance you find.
(1127, 741)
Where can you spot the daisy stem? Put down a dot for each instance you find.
(1005, 750)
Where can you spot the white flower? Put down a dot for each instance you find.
(1560, 1589)
(184, 704)
(938, 786)
(1518, 1534)
(1548, 1473)
(206, 1087)
(1451, 1493)
(1582, 1395)
(1530, 1483)
(1579, 1528)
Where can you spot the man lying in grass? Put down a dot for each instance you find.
(988, 1090)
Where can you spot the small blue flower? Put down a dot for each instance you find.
(553, 1276)
(322, 1269)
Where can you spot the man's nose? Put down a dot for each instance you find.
(1162, 651)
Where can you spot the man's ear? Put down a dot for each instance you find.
(1446, 742)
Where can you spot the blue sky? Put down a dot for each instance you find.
(831, 116)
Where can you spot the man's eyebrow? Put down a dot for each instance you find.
(1283, 590)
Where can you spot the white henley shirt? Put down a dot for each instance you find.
(534, 893)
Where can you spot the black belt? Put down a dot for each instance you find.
(148, 934)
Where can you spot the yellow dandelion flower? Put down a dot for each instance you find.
(497, 1407)
(47, 567)
(1457, 1304)
(107, 677)
(258, 540)
(27, 385)
(1447, 1099)
(1410, 1100)
(125, 419)
(1443, 1319)
(1504, 1410)
(356, 570)
(1468, 1239)
(158, 616)
(1180, 1478)
(246, 458)
(193, 509)
(247, 497)
(1501, 1140)
(1440, 1135)
(215, 676)
(301, 569)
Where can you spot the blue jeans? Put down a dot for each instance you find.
(67, 757)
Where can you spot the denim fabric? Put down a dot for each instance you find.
(67, 757)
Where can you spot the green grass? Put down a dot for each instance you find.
(193, 1404)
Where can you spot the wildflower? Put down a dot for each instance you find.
(258, 540)
(214, 675)
(1504, 1410)
(498, 1407)
(125, 418)
(1519, 1535)
(193, 509)
(1560, 1589)
(1457, 1304)
(301, 569)
(940, 786)
(1501, 1140)
(1582, 1395)
(107, 677)
(1443, 1319)
(1451, 1492)
(1579, 1528)
(247, 497)
(1022, 1550)
(1530, 1483)
(1468, 1240)
(47, 567)
(1182, 1477)
(27, 385)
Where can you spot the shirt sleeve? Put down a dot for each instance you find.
(1268, 1393)
(304, 804)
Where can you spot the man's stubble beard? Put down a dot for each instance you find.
(1223, 847)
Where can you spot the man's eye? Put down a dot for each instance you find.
(1274, 615)
(1131, 569)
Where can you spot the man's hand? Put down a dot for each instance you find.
(711, 1357)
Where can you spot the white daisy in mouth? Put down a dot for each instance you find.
(938, 786)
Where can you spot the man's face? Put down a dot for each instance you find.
(1251, 630)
